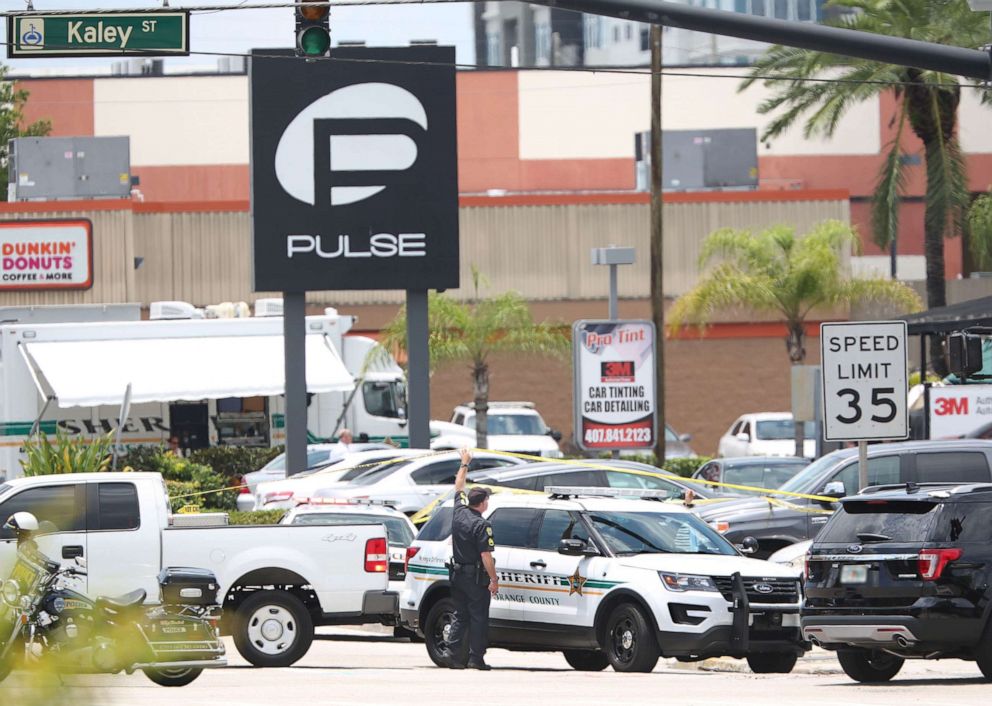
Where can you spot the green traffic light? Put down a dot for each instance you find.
(315, 41)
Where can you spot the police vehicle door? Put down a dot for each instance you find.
(559, 590)
(513, 530)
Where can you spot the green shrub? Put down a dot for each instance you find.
(189, 483)
(685, 467)
(256, 517)
(231, 461)
(66, 454)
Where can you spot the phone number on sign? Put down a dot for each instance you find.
(619, 435)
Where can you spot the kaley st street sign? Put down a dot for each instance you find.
(33, 35)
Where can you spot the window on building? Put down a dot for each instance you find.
(493, 42)
(628, 31)
(782, 9)
(758, 7)
(803, 13)
(740, 6)
(645, 39)
(616, 34)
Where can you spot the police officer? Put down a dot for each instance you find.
(473, 573)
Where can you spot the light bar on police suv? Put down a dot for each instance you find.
(631, 493)
(345, 501)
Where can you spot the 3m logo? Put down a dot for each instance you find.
(356, 141)
(948, 405)
(617, 371)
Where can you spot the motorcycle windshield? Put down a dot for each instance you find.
(27, 575)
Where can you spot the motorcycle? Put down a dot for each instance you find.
(43, 618)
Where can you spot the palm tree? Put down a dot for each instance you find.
(472, 331)
(775, 271)
(927, 105)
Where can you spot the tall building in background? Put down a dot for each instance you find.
(517, 34)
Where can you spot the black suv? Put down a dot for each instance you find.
(903, 571)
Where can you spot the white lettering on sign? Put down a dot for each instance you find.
(99, 34)
(864, 380)
(380, 245)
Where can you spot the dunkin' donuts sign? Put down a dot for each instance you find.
(50, 254)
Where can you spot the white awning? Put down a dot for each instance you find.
(89, 373)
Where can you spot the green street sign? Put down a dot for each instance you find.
(98, 34)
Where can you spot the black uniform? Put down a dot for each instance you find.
(471, 535)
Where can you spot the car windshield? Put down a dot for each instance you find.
(397, 530)
(769, 474)
(511, 424)
(806, 480)
(314, 458)
(782, 430)
(658, 533)
(368, 467)
(670, 434)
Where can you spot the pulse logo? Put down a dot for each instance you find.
(339, 127)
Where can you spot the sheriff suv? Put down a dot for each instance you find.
(900, 572)
(611, 578)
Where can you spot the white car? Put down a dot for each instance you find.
(611, 581)
(289, 492)
(511, 426)
(330, 511)
(766, 434)
(412, 484)
(318, 456)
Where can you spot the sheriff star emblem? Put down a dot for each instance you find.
(575, 582)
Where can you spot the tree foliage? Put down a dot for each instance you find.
(776, 271)
(472, 331)
(12, 101)
(926, 104)
(44, 455)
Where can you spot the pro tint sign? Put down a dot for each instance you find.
(354, 170)
(51, 254)
(614, 384)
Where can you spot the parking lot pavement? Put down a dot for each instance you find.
(362, 667)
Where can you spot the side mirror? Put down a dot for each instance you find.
(576, 547)
(554, 434)
(834, 489)
(743, 436)
(685, 437)
(749, 545)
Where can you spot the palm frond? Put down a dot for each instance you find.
(891, 184)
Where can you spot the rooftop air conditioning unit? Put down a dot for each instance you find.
(269, 307)
(174, 310)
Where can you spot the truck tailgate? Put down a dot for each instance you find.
(330, 559)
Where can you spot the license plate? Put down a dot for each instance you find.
(853, 573)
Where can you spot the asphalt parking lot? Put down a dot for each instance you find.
(359, 666)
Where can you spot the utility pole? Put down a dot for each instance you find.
(657, 245)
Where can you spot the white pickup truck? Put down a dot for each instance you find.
(277, 582)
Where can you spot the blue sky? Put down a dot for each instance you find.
(242, 30)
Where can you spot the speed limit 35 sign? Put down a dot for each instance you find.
(864, 380)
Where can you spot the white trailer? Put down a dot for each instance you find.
(207, 381)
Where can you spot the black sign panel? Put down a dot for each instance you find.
(354, 170)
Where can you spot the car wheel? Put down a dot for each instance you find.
(869, 665)
(586, 660)
(272, 629)
(437, 631)
(631, 645)
(172, 677)
(983, 655)
(772, 662)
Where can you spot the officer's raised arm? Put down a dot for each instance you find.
(462, 470)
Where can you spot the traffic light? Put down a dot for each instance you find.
(964, 354)
(313, 30)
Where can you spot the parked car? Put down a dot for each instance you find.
(318, 456)
(766, 434)
(677, 445)
(776, 523)
(276, 495)
(510, 426)
(793, 556)
(413, 483)
(903, 572)
(602, 473)
(611, 582)
(275, 583)
(756, 471)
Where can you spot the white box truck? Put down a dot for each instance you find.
(206, 381)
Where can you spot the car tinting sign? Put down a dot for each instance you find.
(614, 384)
(354, 170)
(864, 380)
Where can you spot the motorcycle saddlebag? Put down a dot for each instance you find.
(187, 586)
